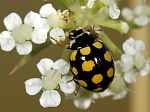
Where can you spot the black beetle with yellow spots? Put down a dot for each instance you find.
(91, 62)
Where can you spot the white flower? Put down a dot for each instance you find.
(50, 80)
(114, 11)
(20, 34)
(55, 20)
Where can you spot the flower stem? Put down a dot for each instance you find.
(113, 48)
(25, 59)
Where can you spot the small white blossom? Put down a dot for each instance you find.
(51, 78)
(21, 34)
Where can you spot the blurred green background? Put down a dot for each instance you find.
(12, 93)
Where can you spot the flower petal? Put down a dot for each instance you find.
(82, 102)
(33, 86)
(50, 99)
(25, 48)
(33, 19)
(39, 36)
(7, 43)
(62, 66)
(130, 76)
(12, 20)
(127, 62)
(114, 11)
(67, 87)
(45, 65)
(139, 60)
(46, 10)
(57, 34)
(139, 45)
(145, 70)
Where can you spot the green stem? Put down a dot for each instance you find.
(25, 59)
(113, 48)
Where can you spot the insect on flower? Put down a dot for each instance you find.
(91, 62)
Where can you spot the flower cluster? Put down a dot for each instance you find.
(54, 25)
(35, 28)
(53, 78)
(139, 16)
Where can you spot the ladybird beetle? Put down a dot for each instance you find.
(91, 63)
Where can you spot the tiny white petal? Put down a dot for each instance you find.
(33, 86)
(7, 43)
(67, 87)
(129, 46)
(39, 36)
(62, 66)
(45, 65)
(121, 95)
(145, 70)
(12, 20)
(46, 10)
(139, 45)
(128, 14)
(139, 60)
(82, 103)
(25, 48)
(130, 76)
(141, 21)
(57, 34)
(127, 62)
(114, 11)
(50, 99)
(124, 27)
(33, 19)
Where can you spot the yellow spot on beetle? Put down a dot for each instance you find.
(82, 83)
(98, 45)
(85, 51)
(110, 72)
(73, 55)
(107, 56)
(97, 89)
(74, 70)
(97, 78)
(88, 65)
